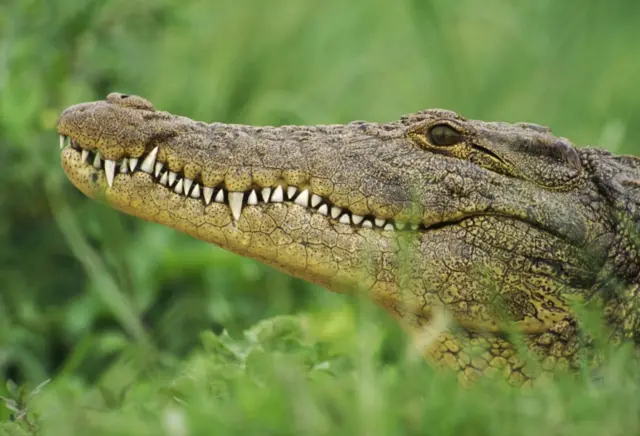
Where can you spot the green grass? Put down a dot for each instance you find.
(283, 377)
(126, 318)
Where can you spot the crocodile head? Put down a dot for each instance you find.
(494, 222)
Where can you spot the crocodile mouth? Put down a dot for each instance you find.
(178, 183)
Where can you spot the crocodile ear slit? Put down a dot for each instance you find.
(560, 149)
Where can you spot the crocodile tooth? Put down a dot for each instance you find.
(235, 203)
(158, 168)
(291, 191)
(85, 156)
(61, 142)
(195, 192)
(414, 226)
(220, 196)
(303, 198)
(172, 178)
(367, 224)
(278, 195)
(315, 200)
(388, 226)
(149, 161)
(178, 188)
(400, 226)
(253, 198)
(133, 163)
(110, 170)
(357, 219)
(335, 212)
(97, 162)
(187, 185)
(208, 193)
(379, 222)
(164, 179)
(124, 166)
(324, 209)
(266, 193)
(344, 219)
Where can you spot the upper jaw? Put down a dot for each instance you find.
(193, 160)
(222, 163)
(115, 172)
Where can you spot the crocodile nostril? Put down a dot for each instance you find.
(130, 100)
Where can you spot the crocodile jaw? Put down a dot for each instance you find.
(291, 229)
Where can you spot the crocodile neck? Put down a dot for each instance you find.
(492, 224)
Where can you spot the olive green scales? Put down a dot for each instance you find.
(464, 231)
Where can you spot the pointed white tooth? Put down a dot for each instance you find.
(208, 193)
(164, 179)
(85, 156)
(220, 196)
(388, 226)
(400, 226)
(133, 163)
(367, 224)
(291, 191)
(335, 212)
(266, 193)
(278, 195)
(97, 162)
(172, 178)
(357, 219)
(124, 166)
(253, 198)
(158, 168)
(110, 170)
(178, 188)
(62, 140)
(187, 185)
(195, 192)
(324, 209)
(303, 198)
(315, 200)
(414, 226)
(379, 222)
(344, 219)
(149, 161)
(235, 203)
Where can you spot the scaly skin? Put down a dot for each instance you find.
(506, 226)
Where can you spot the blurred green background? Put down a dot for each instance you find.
(82, 285)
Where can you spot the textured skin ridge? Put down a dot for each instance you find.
(512, 225)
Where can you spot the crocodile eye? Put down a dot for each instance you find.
(444, 135)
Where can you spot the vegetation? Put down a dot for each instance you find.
(109, 325)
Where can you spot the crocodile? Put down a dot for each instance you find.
(484, 240)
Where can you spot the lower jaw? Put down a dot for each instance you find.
(292, 238)
(286, 236)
